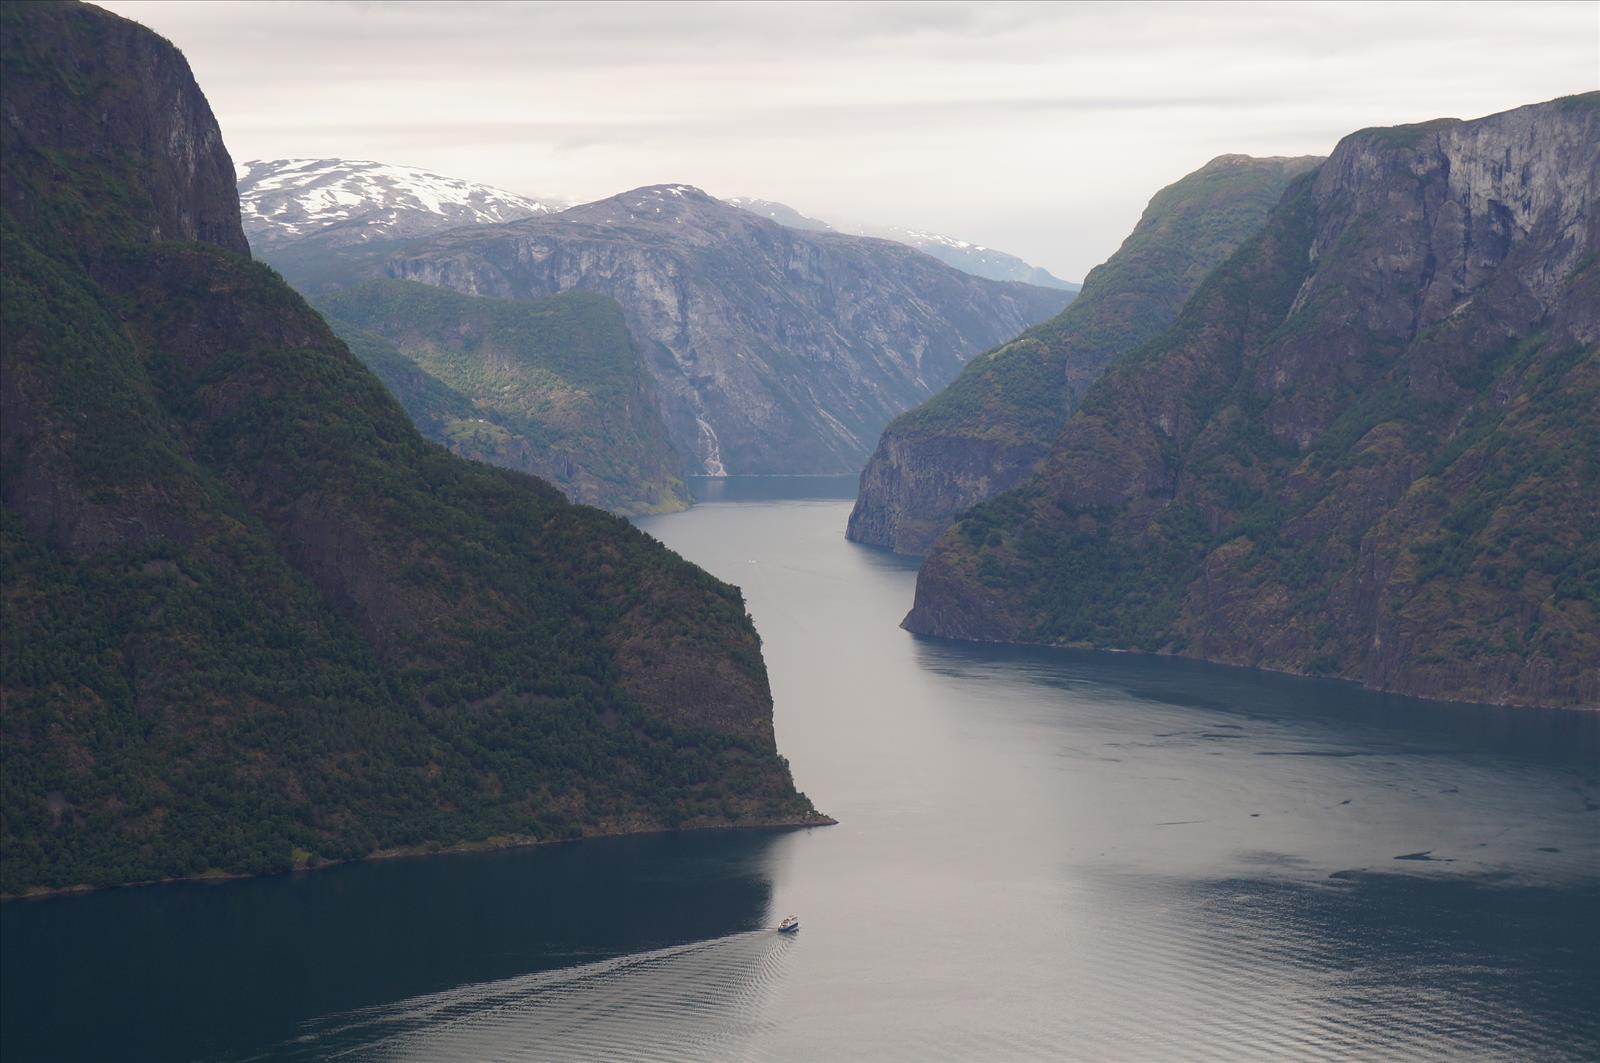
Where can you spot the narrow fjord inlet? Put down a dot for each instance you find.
(453, 610)
(1040, 854)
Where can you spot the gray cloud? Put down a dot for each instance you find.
(1041, 129)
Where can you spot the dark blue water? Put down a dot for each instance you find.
(1040, 855)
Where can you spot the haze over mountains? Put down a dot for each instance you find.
(964, 255)
(347, 200)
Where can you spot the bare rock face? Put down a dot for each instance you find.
(992, 426)
(774, 350)
(155, 141)
(1366, 449)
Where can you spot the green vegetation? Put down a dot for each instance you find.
(1024, 390)
(989, 429)
(550, 386)
(252, 620)
(1277, 482)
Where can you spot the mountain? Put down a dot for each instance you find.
(344, 201)
(781, 213)
(552, 387)
(973, 258)
(555, 388)
(774, 350)
(1368, 448)
(987, 431)
(968, 257)
(252, 620)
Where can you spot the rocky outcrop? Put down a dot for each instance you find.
(774, 350)
(989, 429)
(1365, 450)
(253, 620)
(155, 142)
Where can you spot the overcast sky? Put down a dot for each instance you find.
(1037, 129)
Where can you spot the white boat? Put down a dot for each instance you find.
(789, 925)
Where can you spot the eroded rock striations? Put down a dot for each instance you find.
(252, 619)
(1369, 447)
(774, 350)
(992, 426)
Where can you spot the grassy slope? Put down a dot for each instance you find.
(549, 386)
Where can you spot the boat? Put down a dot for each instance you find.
(789, 925)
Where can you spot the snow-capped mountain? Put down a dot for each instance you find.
(351, 201)
(968, 257)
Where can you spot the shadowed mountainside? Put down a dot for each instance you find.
(1369, 447)
(252, 620)
(990, 428)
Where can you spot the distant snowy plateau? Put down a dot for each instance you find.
(345, 201)
(282, 200)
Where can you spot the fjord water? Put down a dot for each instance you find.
(1040, 854)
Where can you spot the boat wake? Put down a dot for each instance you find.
(699, 1001)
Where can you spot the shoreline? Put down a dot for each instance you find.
(1513, 706)
(498, 843)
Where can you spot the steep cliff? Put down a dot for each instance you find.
(774, 350)
(990, 428)
(552, 387)
(252, 620)
(1369, 447)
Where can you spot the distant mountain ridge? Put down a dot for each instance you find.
(968, 257)
(1368, 448)
(282, 200)
(773, 349)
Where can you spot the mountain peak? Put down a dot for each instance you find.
(356, 200)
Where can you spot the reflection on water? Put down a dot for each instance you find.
(1040, 855)
(771, 488)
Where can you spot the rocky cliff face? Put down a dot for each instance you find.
(153, 140)
(1367, 449)
(774, 350)
(990, 428)
(253, 620)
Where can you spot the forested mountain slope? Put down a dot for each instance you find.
(252, 619)
(1369, 447)
(991, 427)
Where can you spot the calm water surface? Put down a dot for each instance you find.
(1040, 855)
